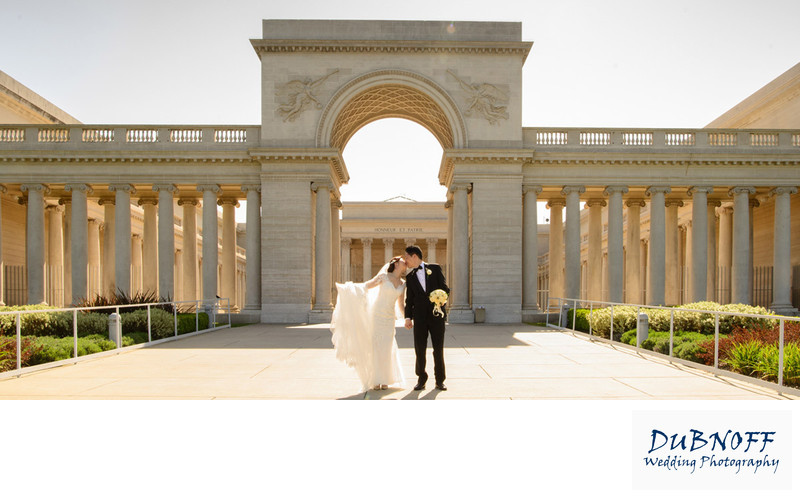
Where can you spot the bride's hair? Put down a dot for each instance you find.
(392, 263)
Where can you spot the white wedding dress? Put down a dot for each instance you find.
(363, 328)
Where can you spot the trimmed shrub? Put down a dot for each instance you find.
(581, 319)
(88, 324)
(37, 324)
(624, 319)
(186, 322)
(55, 349)
(161, 323)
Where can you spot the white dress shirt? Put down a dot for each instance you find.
(421, 276)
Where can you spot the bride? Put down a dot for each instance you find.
(363, 326)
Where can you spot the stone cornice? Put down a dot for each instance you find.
(303, 155)
(262, 46)
(114, 157)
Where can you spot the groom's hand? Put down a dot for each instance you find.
(409, 324)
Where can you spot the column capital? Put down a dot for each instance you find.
(657, 190)
(673, 202)
(346, 242)
(3, 189)
(615, 189)
(80, 187)
(35, 187)
(448, 204)
(461, 186)
(228, 200)
(315, 186)
(247, 188)
(388, 240)
(572, 189)
(136, 236)
(409, 242)
(209, 187)
(106, 200)
(635, 202)
(94, 221)
(556, 203)
(167, 187)
(63, 201)
(528, 188)
(432, 240)
(699, 189)
(725, 210)
(366, 242)
(783, 191)
(188, 201)
(714, 203)
(741, 190)
(336, 203)
(147, 200)
(54, 207)
(596, 202)
(754, 203)
(122, 187)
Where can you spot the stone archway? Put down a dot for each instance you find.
(387, 94)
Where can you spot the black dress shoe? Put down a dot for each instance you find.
(420, 386)
(441, 387)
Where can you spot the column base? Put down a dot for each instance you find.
(531, 314)
(320, 315)
(461, 315)
(784, 309)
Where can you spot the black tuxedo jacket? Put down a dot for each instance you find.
(418, 303)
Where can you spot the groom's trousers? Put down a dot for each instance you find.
(435, 327)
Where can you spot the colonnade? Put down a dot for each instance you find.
(662, 256)
(81, 239)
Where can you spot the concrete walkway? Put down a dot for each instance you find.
(298, 362)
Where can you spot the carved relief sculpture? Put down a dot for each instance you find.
(300, 95)
(484, 99)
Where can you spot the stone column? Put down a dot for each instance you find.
(122, 236)
(94, 265)
(34, 240)
(432, 249)
(572, 243)
(711, 275)
(672, 261)
(136, 262)
(724, 254)
(595, 250)
(109, 222)
(229, 206)
(67, 249)
(189, 252)
(699, 269)
(366, 245)
(346, 242)
(178, 272)
(336, 236)
(253, 242)
(460, 306)
(740, 275)
(79, 241)
(150, 243)
(3, 190)
(530, 249)
(556, 249)
(633, 254)
(449, 207)
(388, 251)
(782, 260)
(615, 254)
(166, 241)
(753, 203)
(210, 241)
(55, 256)
(321, 311)
(658, 245)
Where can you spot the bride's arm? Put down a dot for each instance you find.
(374, 282)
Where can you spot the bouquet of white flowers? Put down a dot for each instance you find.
(439, 299)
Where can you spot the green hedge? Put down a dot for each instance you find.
(692, 321)
(685, 344)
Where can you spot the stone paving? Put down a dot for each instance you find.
(282, 362)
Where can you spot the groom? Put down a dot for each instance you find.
(423, 279)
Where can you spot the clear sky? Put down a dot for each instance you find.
(637, 63)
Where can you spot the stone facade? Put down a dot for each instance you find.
(324, 80)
